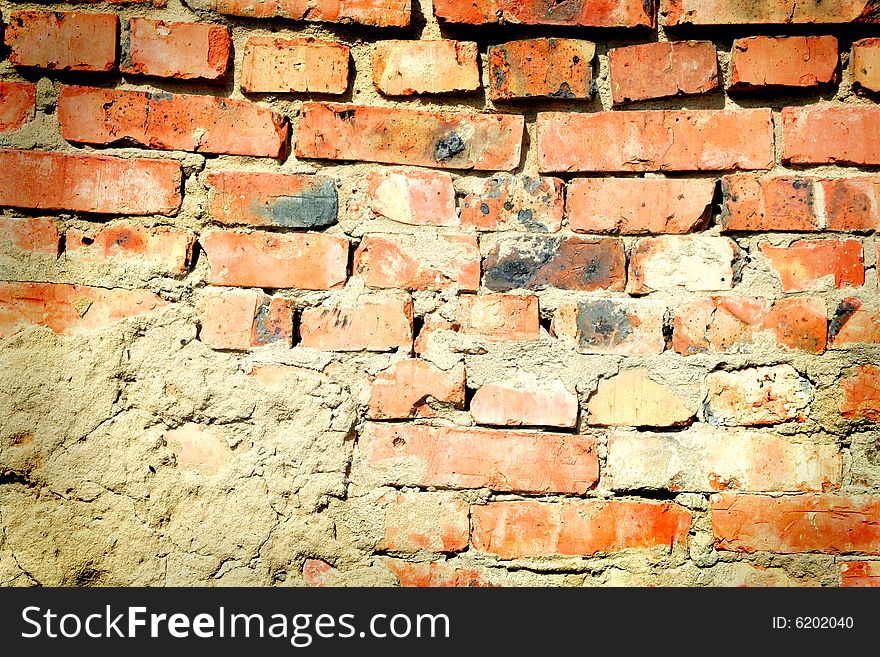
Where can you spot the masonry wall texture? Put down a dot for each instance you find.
(488, 293)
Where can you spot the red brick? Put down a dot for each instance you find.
(499, 317)
(705, 459)
(811, 265)
(756, 396)
(291, 200)
(273, 65)
(183, 51)
(396, 135)
(317, 573)
(415, 197)
(70, 309)
(629, 327)
(832, 524)
(586, 13)
(63, 42)
(88, 183)
(860, 388)
(435, 574)
(26, 235)
(307, 261)
(241, 319)
(852, 324)
(376, 324)
(773, 62)
(437, 522)
(509, 461)
(542, 68)
(164, 248)
(17, 104)
(662, 69)
(404, 68)
(784, 203)
(852, 203)
(422, 262)
(380, 13)
(635, 206)
(521, 529)
(768, 12)
(569, 263)
(860, 573)
(402, 390)
(721, 324)
(866, 64)
(525, 400)
(202, 124)
(632, 398)
(831, 134)
(655, 140)
(431, 323)
(694, 262)
(526, 203)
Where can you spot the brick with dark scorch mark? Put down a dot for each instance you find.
(785, 203)
(542, 68)
(570, 263)
(241, 319)
(524, 203)
(854, 323)
(613, 326)
(585, 13)
(842, 314)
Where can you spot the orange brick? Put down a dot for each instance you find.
(767, 12)
(241, 319)
(404, 68)
(634, 206)
(510, 461)
(866, 64)
(397, 135)
(183, 51)
(521, 529)
(631, 327)
(403, 390)
(273, 65)
(852, 203)
(756, 396)
(307, 261)
(655, 140)
(798, 62)
(860, 573)
(318, 573)
(525, 203)
(63, 42)
(437, 522)
(432, 322)
(693, 262)
(662, 69)
(202, 124)
(832, 524)
(860, 387)
(525, 401)
(380, 13)
(810, 265)
(633, 398)
(376, 324)
(88, 183)
(435, 574)
(23, 235)
(853, 323)
(831, 134)
(17, 104)
(542, 68)
(499, 317)
(785, 203)
(586, 13)
(408, 196)
(164, 248)
(70, 309)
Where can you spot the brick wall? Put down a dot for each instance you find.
(478, 293)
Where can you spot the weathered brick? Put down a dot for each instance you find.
(831, 134)
(509, 461)
(521, 529)
(586, 13)
(379, 13)
(405, 68)
(827, 523)
(785, 203)
(17, 104)
(866, 64)
(524, 203)
(241, 319)
(395, 135)
(183, 51)
(525, 400)
(198, 447)
(632, 398)
(811, 265)
(402, 390)
(437, 522)
(542, 68)
(499, 317)
(414, 197)
(70, 309)
(721, 324)
(655, 140)
(165, 249)
(852, 324)
(305, 64)
(662, 70)
(797, 62)
(634, 206)
(627, 327)
(382, 323)
(29, 235)
(852, 203)
(308, 261)
(768, 12)
(860, 390)
(89, 183)
(756, 396)
(704, 459)
(435, 574)
(202, 124)
(694, 262)
(423, 262)
(860, 573)
(290, 200)
(63, 41)
(318, 573)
